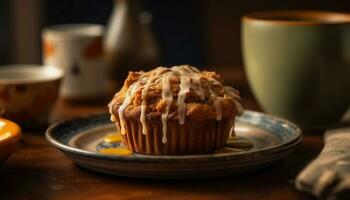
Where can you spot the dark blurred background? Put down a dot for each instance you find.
(197, 32)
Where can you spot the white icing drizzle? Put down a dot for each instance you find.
(143, 95)
(184, 89)
(216, 100)
(127, 100)
(232, 131)
(197, 86)
(190, 80)
(234, 94)
(112, 118)
(110, 108)
(167, 96)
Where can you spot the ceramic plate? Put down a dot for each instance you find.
(270, 139)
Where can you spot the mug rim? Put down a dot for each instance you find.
(302, 17)
(75, 30)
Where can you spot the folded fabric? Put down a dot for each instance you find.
(328, 176)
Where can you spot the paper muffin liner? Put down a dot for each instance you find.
(189, 138)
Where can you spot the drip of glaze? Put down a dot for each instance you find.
(112, 118)
(190, 78)
(217, 104)
(167, 96)
(184, 89)
(110, 108)
(215, 99)
(144, 94)
(197, 86)
(234, 94)
(127, 100)
(232, 131)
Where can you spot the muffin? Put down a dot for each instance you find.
(175, 111)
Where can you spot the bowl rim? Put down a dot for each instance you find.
(56, 73)
(14, 134)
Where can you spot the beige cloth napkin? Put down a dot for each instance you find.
(328, 176)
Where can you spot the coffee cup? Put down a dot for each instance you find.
(298, 64)
(77, 49)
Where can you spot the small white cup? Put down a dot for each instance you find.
(77, 49)
(28, 93)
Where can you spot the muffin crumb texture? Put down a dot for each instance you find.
(177, 94)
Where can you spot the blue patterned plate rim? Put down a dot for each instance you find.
(249, 117)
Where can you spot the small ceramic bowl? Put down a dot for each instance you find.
(28, 93)
(10, 134)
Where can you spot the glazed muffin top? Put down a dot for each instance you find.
(176, 93)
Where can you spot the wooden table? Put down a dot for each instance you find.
(39, 171)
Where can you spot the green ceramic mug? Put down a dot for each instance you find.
(298, 64)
